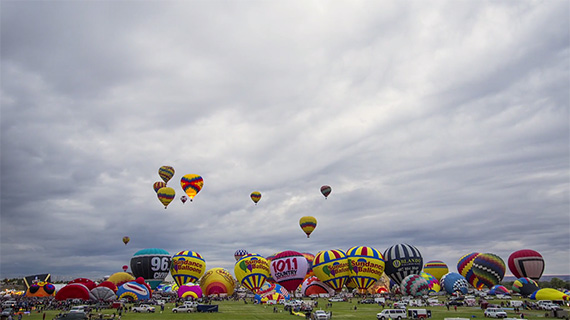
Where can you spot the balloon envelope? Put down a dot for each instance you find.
(165, 195)
(251, 271)
(365, 265)
(255, 196)
(102, 294)
(152, 265)
(158, 185)
(187, 266)
(414, 285)
(120, 277)
(191, 184)
(525, 286)
(436, 268)
(289, 268)
(401, 261)
(313, 286)
(126, 240)
(453, 282)
(239, 254)
(434, 285)
(489, 269)
(73, 291)
(526, 263)
(308, 224)
(331, 267)
(217, 281)
(465, 268)
(326, 190)
(549, 294)
(190, 290)
(134, 291)
(166, 173)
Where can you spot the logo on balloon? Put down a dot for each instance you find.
(249, 265)
(396, 263)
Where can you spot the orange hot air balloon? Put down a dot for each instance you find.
(191, 184)
(126, 240)
(308, 224)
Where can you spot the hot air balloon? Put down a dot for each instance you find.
(489, 269)
(326, 190)
(190, 290)
(183, 199)
(365, 265)
(549, 294)
(240, 253)
(126, 240)
(414, 285)
(401, 261)
(125, 268)
(191, 184)
(165, 195)
(433, 283)
(158, 185)
(525, 286)
(255, 196)
(465, 268)
(271, 291)
(498, 289)
(217, 281)
(453, 282)
(308, 224)
(313, 286)
(252, 271)
(102, 294)
(152, 265)
(119, 278)
(134, 290)
(187, 266)
(526, 263)
(436, 268)
(331, 267)
(289, 268)
(73, 291)
(166, 173)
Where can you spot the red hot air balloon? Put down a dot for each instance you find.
(125, 267)
(526, 263)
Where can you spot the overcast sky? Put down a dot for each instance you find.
(441, 124)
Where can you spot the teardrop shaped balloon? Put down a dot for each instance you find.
(166, 173)
(255, 196)
(165, 195)
(365, 266)
(126, 240)
(526, 263)
(191, 184)
(308, 224)
(331, 267)
(489, 268)
(183, 199)
(251, 271)
(326, 190)
(187, 266)
(158, 185)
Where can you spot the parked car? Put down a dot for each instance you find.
(549, 306)
(400, 305)
(75, 309)
(8, 311)
(336, 299)
(143, 308)
(495, 313)
(321, 315)
(367, 301)
(392, 314)
(184, 308)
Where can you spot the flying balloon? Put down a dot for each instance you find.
(308, 224)
(152, 265)
(252, 271)
(365, 265)
(526, 263)
(187, 266)
(289, 268)
(125, 268)
(184, 199)
(489, 269)
(331, 267)
(126, 240)
(326, 190)
(436, 268)
(191, 184)
(401, 261)
(240, 253)
(165, 195)
(158, 185)
(166, 173)
(255, 196)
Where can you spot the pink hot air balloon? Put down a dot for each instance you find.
(289, 268)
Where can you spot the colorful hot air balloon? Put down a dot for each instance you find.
(252, 271)
(313, 286)
(365, 265)
(498, 289)
(191, 184)
(288, 268)
(453, 282)
(217, 281)
(187, 266)
(331, 267)
(152, 265)
(255, 196)
(465, 268)
(166, 195)
(326, 190)
(158, 185)
(436, 268)
(240, 253)
(190, 290)
(525, 286)
(308, 224)
(526, 263)
(126, 240)
(166, 173)
(183, 199)
(489, 269)
(414, 285)
(401, 261)
(548, 294)
(434, 285)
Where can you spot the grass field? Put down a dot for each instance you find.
(230, 310)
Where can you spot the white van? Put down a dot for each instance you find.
(9, 304)
(78, 309)
(392, 314)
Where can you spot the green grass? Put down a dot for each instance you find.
(230, 310)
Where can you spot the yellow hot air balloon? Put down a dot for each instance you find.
(165, 195)
(187, 266)
(365, 265)
(255, 196)
(251, 271)
(217, 281)
(331, 267)
(191, 184)
(166, 173)
(308, 224)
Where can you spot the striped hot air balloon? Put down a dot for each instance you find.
(526, 263)
(331, 267)
(401, 261)
(489, 269)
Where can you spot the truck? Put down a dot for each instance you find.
(419, 313)
(321, 315)
(143, 308)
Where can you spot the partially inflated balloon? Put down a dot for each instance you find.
(525, 286)
(331, 267)
(498, 289)
(549, 294)
(217, 281)
(165, 195)
(255, 196)
(152, 265)
(166, 173)
(326, 190)
(414, 285)
(489, 269)
(401, 261)
(289, 268)
(366, 266)
(191, 184)
(313, 286)
(308, 224)
(187, 266)
(436, 268)
(526, 263)
(126, 240)
(252, 271)
(465, 268)
(434, 285)
(158, 185)
(453, 282)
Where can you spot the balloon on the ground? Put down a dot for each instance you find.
(102, 294)
(90, 284)
(239, 254)
(217, 281)
(251, 271)
(191, 184)
(549, 294)
(158, 185)
(525, 286)
(109, 285)
(255, 196)
(165, 196)
(289, 268)
(72, 291)
(365, 265)
(308, 224)
(120, 277)
(433, 283)
(498, 289)
(134, 290)
(40, 289)
(271, 291)
(465, 268)
(453, 282)
(152, 265)
(126, 240)
(414, 285)
(166, 173)
(187, 266)
(326, 190)
(436, 268)
(402, 260)
(331, 267)
(526, 263)
(190, 290)
(313, 286)
(489, 268)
